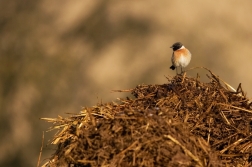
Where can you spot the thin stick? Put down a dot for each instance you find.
(41, 148)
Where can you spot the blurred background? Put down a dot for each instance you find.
(59, 56)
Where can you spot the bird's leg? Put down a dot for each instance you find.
(181, 69)
(177, 70)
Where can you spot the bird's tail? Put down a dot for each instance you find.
(172, 67)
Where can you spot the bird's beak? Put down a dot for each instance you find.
(171, 47)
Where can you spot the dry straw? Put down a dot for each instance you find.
(181, 123)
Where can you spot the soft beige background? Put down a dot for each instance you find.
(58, 56)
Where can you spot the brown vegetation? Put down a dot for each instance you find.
(181, 123)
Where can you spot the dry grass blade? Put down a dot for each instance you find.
(126, 90)
(41, 148)
(239, 108)
(185, 149)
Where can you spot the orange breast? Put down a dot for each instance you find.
(181, 57)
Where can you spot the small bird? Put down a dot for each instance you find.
(181, 56)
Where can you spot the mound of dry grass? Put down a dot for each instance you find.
(182, 123)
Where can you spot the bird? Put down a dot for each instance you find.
(181, 56)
